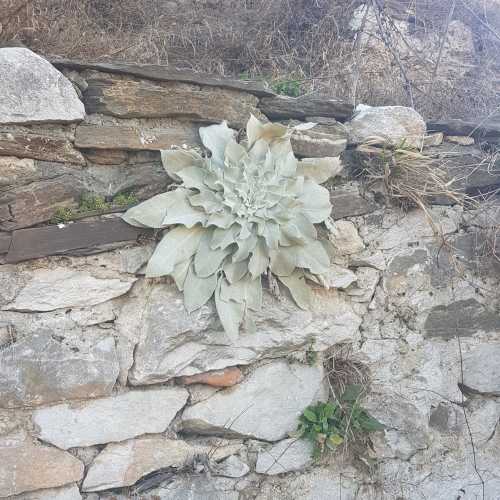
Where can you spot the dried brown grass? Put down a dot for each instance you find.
(308, 41)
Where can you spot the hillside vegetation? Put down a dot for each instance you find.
(440, 57)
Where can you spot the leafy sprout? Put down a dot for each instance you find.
(328, 425)
(246, 210)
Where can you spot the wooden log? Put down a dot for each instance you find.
(80, 238)
(167, 74)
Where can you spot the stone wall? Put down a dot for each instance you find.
(110, 390)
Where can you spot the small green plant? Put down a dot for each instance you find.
(291, 88)
(90, 204)
(62, 215)
(125, 199)
(328, 425)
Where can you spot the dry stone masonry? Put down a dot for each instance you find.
(109, 389)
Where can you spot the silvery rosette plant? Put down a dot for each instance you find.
(241, 213)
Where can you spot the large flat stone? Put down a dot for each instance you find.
(61, 287)
(123, 464)
(39, 147)
(481, 368)
(25, 466)
(461, 318)
(392, 123)
(44, 368)
(34, 91)
(283, 107)
(63, 493)
(259, 407)
(109, 419)
(120, 137)
(130, 98)
(286, 456)
(348, 202)
(172, 343)
(14, 170)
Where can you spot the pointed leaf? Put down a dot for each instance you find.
(215, 138)
(180, 210)
(150, 213)
(283, 261)
(299, 289)
(175, 160)
(207, 260)
(197, 291)
(245, 291)
(234, 153)
(352, 392)
(179, 273)
(193, 177)
(259, 260)
(178, 245)
(222, 238)
(230, 313)
(313, 256)
(315, 200)
(245, 247)
(234, 271)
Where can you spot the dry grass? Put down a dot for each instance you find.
(306, 41)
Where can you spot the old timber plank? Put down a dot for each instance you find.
(76, 238)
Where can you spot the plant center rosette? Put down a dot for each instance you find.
(245, 211)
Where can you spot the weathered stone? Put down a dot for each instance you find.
(193, 487)
(13, 170)
(25, 466)
(481, 367)
(345, 238)
(286, 456)
(123, 464)
(462, 140)
(368, 259)
(219, 378)
(172, 343)
(109, 419)
(462, 318)
(106, 156)
(339, 277)
(258, 407)
(444, 419)
(347, 202)
(63, 493)
(167, 74)
(232, 466)
(283, 107)
(120, 137)
(45, 368)
(391, 123)
(319, 169)
(130, 98)
(487, 131)
(34, 91)
(312, 144)
(39, 147)
(363, 289)
(435, 139)
(50, 289)
(322, 483)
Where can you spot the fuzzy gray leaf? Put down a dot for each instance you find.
(230, 313)
(215, 138)
(316, 202)
(175, 160)
(299, 289)
(197, 290)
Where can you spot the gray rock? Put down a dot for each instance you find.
(64, 493)
(462, 318)
(50, 289)
(172, 343)
(196, 488)
(34, 91)
(392, 123)
(232, 466)
(313, 144)
(45, 368)
(286, 456)
(123, 464)
(481, 368)
(109, 419)
(345, 238)
(259, 407)
(26, 466)
(339, 277)
(347, 202)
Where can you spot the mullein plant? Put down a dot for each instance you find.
(242, 212)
